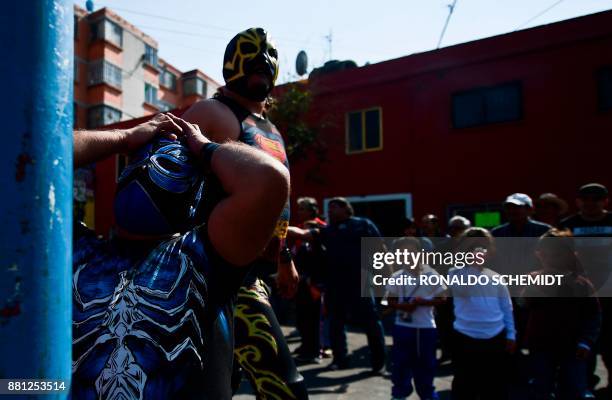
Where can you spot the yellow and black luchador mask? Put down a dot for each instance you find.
(250, 52)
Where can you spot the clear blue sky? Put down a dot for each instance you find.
(194, 33)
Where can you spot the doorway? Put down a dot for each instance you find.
(387, 211)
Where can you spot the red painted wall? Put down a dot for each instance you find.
(561, 142)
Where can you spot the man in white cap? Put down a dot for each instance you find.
(516, 255)
(518, 209)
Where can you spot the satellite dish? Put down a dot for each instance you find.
(301, 63)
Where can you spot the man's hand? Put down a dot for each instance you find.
(293, 232)
(192, 134)
(139, 135)
(287, 280)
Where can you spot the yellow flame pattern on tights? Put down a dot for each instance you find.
(268, 385)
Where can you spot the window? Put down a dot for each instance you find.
(168, 79)
(483, 106)
(364, 130)
(105, 29)
(194, 85)
(113, 33)
(150, 94)
(150, 56)
(604, 88)
(104, 72)
(102, 115)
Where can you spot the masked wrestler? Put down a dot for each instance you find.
(237, 113)
(152, 307)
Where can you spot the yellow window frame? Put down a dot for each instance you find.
(364, 149)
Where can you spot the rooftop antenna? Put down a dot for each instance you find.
(329, 39)
(451, 8)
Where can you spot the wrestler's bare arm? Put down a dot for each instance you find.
(93, 146)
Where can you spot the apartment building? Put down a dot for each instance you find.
(118, 76)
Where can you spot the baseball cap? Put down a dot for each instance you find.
(593, 189)
(519, 199)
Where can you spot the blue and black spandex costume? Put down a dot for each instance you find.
(153, 319)
(150, 323)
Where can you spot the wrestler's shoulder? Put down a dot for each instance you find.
(210, 110)
(207, 104)
(214, 119)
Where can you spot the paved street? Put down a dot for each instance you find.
(357, 384)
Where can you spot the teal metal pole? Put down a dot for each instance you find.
(36, 71)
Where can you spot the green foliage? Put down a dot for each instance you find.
(289, 113)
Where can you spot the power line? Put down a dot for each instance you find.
(451, 8)
(199, 49)
(303, 43)
(155, 28)
(191, 34)
(185, 33)
(182, 21)
(556, 3)
(193, 23)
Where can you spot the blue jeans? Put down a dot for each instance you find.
(414, 356)
(571, 383)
